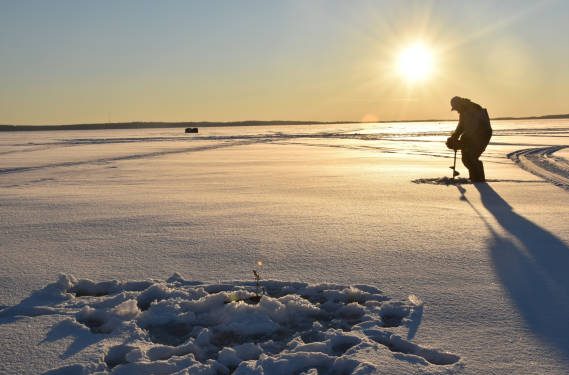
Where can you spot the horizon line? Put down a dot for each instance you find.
(149, 124)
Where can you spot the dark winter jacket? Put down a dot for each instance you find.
(473, 126)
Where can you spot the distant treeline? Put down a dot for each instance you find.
(546, 117)
(146, 125)
(202, 124)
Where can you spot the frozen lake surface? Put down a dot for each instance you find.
(320, 205)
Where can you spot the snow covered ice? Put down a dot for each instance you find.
(472, 278)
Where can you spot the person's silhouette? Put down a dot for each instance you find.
(471, 136)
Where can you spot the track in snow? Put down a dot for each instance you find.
(543, 163)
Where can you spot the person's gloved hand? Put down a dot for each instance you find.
(450, 142)
(453, 143)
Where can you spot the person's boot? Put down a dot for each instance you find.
(482, 174)
(477, 173)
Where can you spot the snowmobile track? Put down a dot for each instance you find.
(543, 163)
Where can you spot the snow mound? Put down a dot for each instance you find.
(179, 326)
(442, 181)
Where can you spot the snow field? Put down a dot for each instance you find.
(317, 204)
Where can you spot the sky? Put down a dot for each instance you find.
(79, 61)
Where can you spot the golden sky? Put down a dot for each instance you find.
(73, 61)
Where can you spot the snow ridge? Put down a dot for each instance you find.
(542, 162)
(180, 326)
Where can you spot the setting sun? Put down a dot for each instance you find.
(415, 62)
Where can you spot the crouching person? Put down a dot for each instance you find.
(471, 136)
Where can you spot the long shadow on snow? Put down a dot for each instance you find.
(533, 269)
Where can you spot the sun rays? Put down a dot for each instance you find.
(415, 62)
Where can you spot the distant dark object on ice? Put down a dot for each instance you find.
(191, 130)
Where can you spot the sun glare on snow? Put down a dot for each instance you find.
(415, 62)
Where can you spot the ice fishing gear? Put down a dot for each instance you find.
(453, 167)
